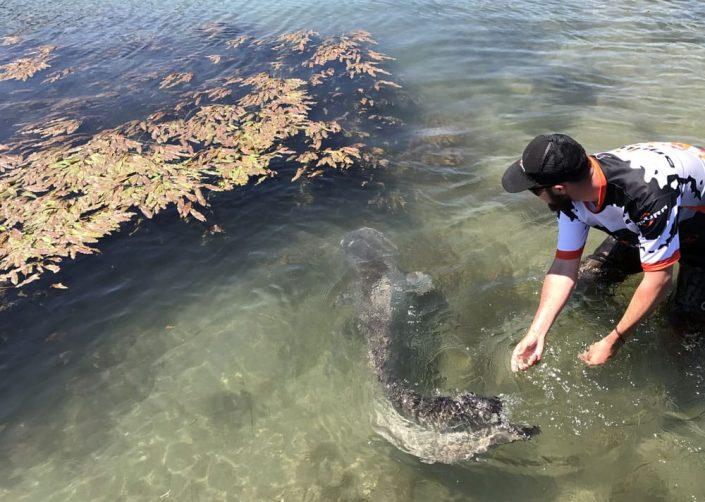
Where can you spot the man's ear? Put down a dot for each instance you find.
(559, 189)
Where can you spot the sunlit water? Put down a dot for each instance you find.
(181, 365)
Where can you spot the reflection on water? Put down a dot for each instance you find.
(187, 365)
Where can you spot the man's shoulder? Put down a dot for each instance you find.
(643, 180)
(660, 152)
(650, 146)
(640, 174)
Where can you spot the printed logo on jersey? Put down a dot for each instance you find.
(647, 219)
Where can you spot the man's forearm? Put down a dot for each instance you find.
(652, 289)
(556, 290)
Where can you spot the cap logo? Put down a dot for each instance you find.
(545, 152)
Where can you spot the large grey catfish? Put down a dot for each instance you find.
(434, 428)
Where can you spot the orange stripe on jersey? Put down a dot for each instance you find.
(569, 255)
(603, 185)
(660, 265)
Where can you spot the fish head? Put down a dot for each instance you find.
(368, 250)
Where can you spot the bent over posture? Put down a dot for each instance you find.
(648, 197)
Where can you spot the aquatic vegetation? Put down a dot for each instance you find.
(58, 75)
(62, 191)
(52, 128)
(174, 79)
(380, 83)
(297, 40)
(26, 67)
(11, 40)
(348, 50)
(212, 29)
(392, 202)
(237, 42)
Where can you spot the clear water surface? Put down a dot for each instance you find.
(181, 365)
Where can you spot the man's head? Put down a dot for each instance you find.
(553, 167)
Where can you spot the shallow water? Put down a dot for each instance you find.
(181, 365)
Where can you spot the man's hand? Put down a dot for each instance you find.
(652, 288)
(601, 351)
(527, 352)
(556, 289)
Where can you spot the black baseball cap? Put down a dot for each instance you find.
(549, 159)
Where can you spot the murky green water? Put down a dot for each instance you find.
(181, 365)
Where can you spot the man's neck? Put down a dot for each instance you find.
(596, 181)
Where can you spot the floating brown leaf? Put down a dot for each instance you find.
(218, 93)
(11, 40)
(174, 79)
(212, 29)
(24, 68)
(58, 75)
(51, 128)
(237, 42)
(297, 40)
(386, 83)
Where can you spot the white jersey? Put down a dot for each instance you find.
(646, 190)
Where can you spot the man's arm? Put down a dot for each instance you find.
(557, 287)
(656, 216)
(653, 288)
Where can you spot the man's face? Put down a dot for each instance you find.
(555, 201)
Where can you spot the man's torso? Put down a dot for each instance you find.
(649, 188)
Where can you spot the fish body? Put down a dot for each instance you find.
(440, 428)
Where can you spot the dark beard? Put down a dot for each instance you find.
(559, 202)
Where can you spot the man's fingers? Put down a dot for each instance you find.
(517, 364)
(516, 356)
(525, 354)
(521, 363)
(585, 357)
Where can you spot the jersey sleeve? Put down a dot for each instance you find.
(572, 235)
(659, 244)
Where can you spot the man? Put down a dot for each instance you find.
(647, 196)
